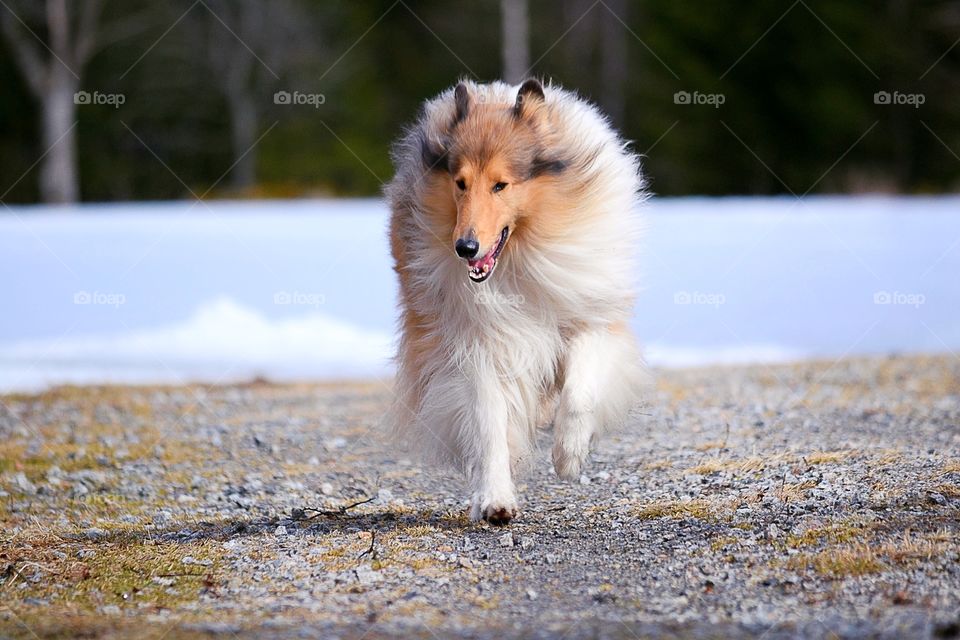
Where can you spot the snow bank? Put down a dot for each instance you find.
(303, 289)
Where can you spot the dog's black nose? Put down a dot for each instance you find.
(467, 247)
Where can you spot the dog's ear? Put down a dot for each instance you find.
(529, 98)
(462, 100)
(433, 154)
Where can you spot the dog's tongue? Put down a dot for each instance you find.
(486, 260)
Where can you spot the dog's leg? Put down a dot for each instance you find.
(602, 376)
(488, 472)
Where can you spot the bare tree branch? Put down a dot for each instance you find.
(87, 31)
(58, 27)
(26, 53)
(514, 29)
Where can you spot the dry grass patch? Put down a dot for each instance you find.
(913, 549)
(123, 574)
(945, 536)
(658, 465)
(793, 491)
(708, 467)
(741, 465)
(855, 560)
(37, 538)
(827, 457)
(889, 457)
(953, 466)
(678, 509)
(708, 446)
(948, 490)
(834, 533)
(70, 457)
(864, 558)
(719, 544)
(758, 463)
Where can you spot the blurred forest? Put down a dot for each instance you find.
(182, 95)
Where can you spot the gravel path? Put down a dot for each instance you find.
(811, 500)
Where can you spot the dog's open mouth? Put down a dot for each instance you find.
(481, 268)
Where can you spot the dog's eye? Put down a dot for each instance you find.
(461, 184)
(500, 186)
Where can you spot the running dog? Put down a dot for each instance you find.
(513, 232)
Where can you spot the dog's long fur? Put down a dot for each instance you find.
(482, 365)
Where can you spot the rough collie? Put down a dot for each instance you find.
(513, 232)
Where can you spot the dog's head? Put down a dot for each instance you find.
(493, 162)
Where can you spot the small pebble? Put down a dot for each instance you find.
(93, 533)
(23, 483)
(937, 498)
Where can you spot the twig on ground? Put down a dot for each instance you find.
(370, 550)
(301, 513)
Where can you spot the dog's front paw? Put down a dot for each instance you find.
(568, 461)
(498, 512)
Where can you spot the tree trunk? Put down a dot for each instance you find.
(613, 60)
(59, 181)
(243, 129)
(515, 36)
